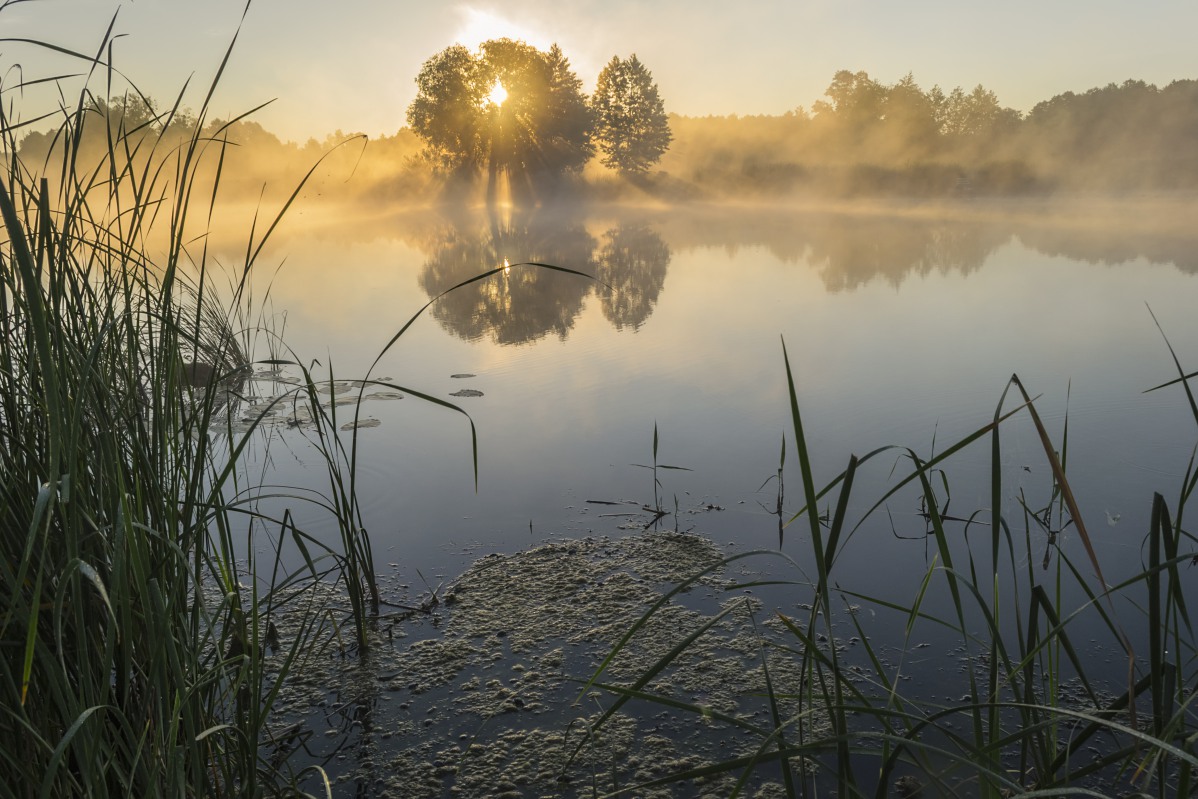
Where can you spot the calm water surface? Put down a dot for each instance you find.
(901, 329)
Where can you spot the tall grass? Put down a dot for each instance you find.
(1037, 715)
(133, 630)
(138, 631)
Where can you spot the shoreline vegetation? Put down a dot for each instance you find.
(140, 646)
(868, 141)
(140, 652)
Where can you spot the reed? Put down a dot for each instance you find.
(142, 642)
(1036, 716)
(134, 616)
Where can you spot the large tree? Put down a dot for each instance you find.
(538, 125)
(631, 125)
(567, 145)
(451, 93)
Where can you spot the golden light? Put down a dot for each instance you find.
(478, 26)
(507, 267)
(498, 94)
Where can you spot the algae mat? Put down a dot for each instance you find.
(488, 699)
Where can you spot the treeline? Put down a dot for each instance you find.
(866, 139)
(239, 158)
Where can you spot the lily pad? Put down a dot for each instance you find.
(360, 424)
(467, 392)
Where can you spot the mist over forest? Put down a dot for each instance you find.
(864, 139)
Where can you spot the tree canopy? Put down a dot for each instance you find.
(865, 138)
(539, 125)
(512, 109)
(631, 125)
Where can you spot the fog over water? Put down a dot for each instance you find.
(913, 245)
(911, 269)
(902, 328)
(556, 315)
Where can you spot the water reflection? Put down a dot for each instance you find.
(520, 305)
(633, 262)
(633, 249)
(1115, 244)
(851, 249)
(524, 304)
(850, 252)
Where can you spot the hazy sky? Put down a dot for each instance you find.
(351, 64)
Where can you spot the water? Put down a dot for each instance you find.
(901, 329)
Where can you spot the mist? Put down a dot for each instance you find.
(865, 141)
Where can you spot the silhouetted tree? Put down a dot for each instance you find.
(631, 125)
(542, 127)
(909, 119)
(127, 113)
(567, 145)
(448, 110)
(1125, 137)
(856, 99)
(975, 114)
(905, 100)
(852, 115)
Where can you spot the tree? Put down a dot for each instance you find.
(850, 120)
(858, 101)
(541, 126)
(910, 118)
(631, 125)
(568, 145)
(973, 114)
(447, 113)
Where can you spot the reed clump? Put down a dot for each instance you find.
(134, 618)
(1054, 678)
(142, 643)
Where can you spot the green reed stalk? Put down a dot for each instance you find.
(132, 634)
(1018, 730)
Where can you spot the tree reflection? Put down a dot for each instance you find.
(633, 262)
(851, 251)
(1115, 244)
(521, 304)
(527, 303)
(848, 251)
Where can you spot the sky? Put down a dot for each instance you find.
(351, 65)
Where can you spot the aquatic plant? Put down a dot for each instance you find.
(1031, 711)
(134, 616)
(657, 510)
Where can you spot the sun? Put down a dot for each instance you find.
(498, 94)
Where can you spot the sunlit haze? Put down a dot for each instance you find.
(352, 67)
(498, 94)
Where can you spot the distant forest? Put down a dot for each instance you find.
(865, 139)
